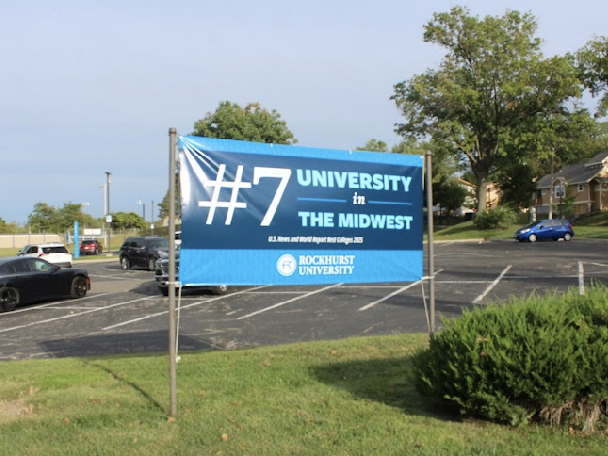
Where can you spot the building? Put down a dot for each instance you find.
(584, 185)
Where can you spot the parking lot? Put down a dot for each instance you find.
(125, 313)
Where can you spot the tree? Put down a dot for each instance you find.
(492, 92)
(46, 218)
(251, 123)
(231, 121)
(374, 145)
(7, 228)
(592, 62)
(127, 221)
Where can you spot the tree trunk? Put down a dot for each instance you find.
(482, 194)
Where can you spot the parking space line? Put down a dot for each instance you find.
(396, 292)
(65, 317)
(54, 303)
(166, 312)
(287, 302)
(95, 276)
(372, 304)
(492, 285)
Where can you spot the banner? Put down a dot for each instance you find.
(267, 214)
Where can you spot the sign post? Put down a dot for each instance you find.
(172, 320)
(431, 254)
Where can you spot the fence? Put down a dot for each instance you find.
(17, 241)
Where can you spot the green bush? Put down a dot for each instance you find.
(535, 359)
(499, 217)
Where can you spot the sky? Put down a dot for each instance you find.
(93, 87)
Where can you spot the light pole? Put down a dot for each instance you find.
(103, 192)
(144, 206)
(152, 217)
(108, 216)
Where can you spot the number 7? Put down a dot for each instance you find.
(281, 173)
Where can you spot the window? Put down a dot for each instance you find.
(581, 187)
(42, 266)
(543, 192)
(559, 191)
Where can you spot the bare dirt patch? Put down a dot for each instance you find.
(15, 408)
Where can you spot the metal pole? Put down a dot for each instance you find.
(108, 239)
(171, 287)
(152, 217)
(551, 188)
(430, 256)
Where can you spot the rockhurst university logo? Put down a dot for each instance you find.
(311, 265)
(286, 265)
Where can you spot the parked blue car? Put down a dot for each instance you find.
(545, 229)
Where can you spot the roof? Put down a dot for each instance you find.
(580, 173)
(599, 159)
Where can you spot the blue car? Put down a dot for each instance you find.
(545, 229)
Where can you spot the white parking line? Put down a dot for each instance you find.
(96, 276)
(372, 304)
(492, 285)
(287, 302)
(65, 317)
(48, 304)
(166, 312)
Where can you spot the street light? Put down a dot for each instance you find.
(144, 206)
(103, 192)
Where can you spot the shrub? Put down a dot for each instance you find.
(499, 217)
(542, 359)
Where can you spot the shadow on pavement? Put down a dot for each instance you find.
(120, 344)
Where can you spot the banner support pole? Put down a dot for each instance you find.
(430, 256)
(171, 285)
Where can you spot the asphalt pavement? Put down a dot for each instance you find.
(125, 313)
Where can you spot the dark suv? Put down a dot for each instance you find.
(142, 251)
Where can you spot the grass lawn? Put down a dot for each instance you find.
(595, 227)
(345, 397)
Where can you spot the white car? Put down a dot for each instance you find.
(53, 252)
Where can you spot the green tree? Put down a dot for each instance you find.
(44, 218)
(127, 221)
(492, 91)
(374, 145)
(7, 228)
(592, 62)
(251, 123)
(49, 219)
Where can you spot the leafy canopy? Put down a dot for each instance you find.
(491, 94)
(49, 219)
(593, 67)
(251, 123)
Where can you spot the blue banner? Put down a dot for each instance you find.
(267, 214)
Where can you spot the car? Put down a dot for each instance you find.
(545, 229)
(161, 275)
(53, 252)
(142, 251)
(27, 279)
(90, 247)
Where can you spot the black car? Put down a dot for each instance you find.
(25, 280)
(142, 251)
(162, 276)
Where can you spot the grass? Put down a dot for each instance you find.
(345, 397)
(595, 227)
